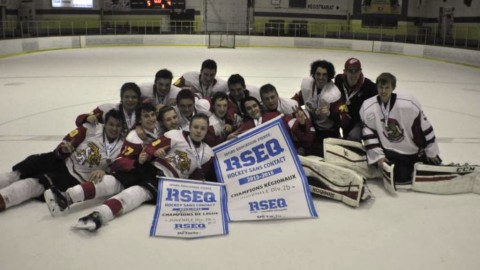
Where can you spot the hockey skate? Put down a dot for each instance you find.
(91, 222)
(57, 201)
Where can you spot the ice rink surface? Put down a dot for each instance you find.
(42, 93)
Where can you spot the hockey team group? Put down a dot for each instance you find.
(346, 129)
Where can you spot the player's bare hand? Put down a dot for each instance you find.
(227, 129)
(161, 152)
(141, 132)
(68, 147)
(172, 102)
(92, 119)
(300, 115)
(96, 176)
(142, 157)
(325, 110)
(158, 107)
(234, 134)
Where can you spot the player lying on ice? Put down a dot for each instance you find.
(83, 156)
(178, 154)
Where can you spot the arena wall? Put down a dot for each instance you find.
(27, 45)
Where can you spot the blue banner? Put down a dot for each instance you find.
(263, 176)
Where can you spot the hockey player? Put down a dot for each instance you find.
(168, 119)
(220, 125)
(273, 103)
(178, 154)
(126, 170)
(397, 131)
(84, 155)
(321, 98)
(300, 128)
(162, 92)
(354, 88)
(188, 105)
(129, 100)
(238, 91)
(203, 83)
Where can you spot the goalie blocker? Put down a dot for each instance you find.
(332, 181)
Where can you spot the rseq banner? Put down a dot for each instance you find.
(189, 209)
(263, 176)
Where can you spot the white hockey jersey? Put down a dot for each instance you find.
(93, 153)
(311, 98)
(407, 130)
(182, 158)
(192, 80)
(149, 94)
(201, 106)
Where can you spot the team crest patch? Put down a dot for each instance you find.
(90, 155)
(393, 132)
(180, 160)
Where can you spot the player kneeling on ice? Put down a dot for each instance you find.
(397, 135)
(177, 154)
(84, 155)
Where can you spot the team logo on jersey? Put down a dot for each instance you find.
(393, 132)
(90, 155)
(181, 161)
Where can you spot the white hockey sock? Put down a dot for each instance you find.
(8, 178)
(76, 193)
(105, 213)
(108, 187)
(21, 191)
(128, 200)
(122, 203)
(87, 191)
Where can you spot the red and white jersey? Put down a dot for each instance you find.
(407, 130)
(183, 159)
(215, 134)
(129, 121)
(312, 98)
(192, 80)
(131, 149)
(302, 135)
(201, 106)
(150, 95)
(286, 106)
(92, 151)
(250, 91)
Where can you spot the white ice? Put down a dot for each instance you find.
(42, 93)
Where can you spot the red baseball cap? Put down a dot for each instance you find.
(353, 63)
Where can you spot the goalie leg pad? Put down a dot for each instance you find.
(349, 154)
(446, 179)
(333, 181)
